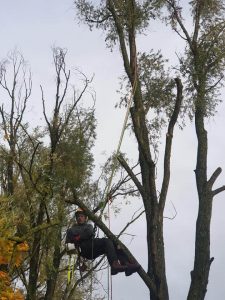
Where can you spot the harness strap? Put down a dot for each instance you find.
(69, 271)
(71, 266)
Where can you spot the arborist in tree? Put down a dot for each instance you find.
(82, 235)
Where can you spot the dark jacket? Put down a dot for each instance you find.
(79, 232)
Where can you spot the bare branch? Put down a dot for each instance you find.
(4, 123)
(169, 138)
(131, 174)
(67, 77)
(172, 218)
(213, 178)
(98, 21)
(44, 111)
(219, 190)
(33, 156)
(24, 104)
(128, 192)
(76, 101)
(129, 223)
(180, 35)
(87, 274)
(172, 4)
(215, 84)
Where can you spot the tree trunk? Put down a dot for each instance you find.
(10, 187)
(54, 271)
(35, 256)
(51, 282)
(200, 273)
(10, 166)
(155, 241)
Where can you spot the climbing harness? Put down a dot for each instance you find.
(78, 262)
(71, 267)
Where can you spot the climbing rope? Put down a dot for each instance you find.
(109, 271)
(112, 174)
(108, 187)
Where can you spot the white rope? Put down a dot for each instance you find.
(109, 270)
(112, 174)
(120, 140)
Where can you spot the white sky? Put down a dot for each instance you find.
(34, 27)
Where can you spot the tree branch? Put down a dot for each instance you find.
(213, 178)
(121, 38)
(131, 174)
(75, 104)
(32, 231)
(172, 4)
(169, 138)
(219, 190)
(89, 272)
(129, 223)
(44, 111)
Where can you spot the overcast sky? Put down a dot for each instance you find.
(33, 27)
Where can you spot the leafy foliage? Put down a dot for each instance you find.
(97, 15)
(203, 62)
(12, 254)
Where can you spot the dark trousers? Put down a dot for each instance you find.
(93, 248)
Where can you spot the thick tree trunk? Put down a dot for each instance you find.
(156, 266)
(156, 256)
(200, 273)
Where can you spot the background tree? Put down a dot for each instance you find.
(18, 91)
(203, 68)
(46, 162)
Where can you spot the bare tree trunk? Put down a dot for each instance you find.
(156, 256)
(200, 273)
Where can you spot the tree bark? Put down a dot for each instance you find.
(35, 256)
(51, 281)
(200, 273)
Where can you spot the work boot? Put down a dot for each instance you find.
(116, 267)
(131, 268)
